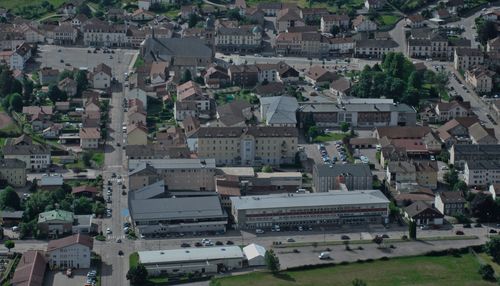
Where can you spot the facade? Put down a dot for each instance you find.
(240, 39)
(89, 138)
(450, 203)
(482, 173)
(56, 222)
(70, 252)
(423, 214)
(374, 48)
(255, 254)
(102, 34)
(36, 157)
(101, 77)
(466, 58)
(462, 153)
(446, 111)
(288, 18)
(246, 146)
(13, 172)
(362, 24)
(354, 176)
(200, 260)
(480, 78)
(328, 21)
(330, 208)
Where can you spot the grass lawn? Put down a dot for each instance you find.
(387, 19)
(420, 270)
(139, 62)
(330, 137)
(98, 158)
(133, 259)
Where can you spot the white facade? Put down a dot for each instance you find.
(76, 255)
(481, 176)
(365, 26)
(255, 254)
(33, 162)
(101, 80)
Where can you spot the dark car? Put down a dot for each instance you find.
(229, 242)
(185, 245)
(198, 244)
(345, 237)
(219, 243)
(120, 252)
(385, 236)
(478, 225)
(467, 225)
(459, 232)
(493, 231)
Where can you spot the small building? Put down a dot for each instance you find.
(190, 260)
(423, 214)
(319, 76)
(137, 134)
(51, 181)
(69, 86)
(86, 191)
(255, 254)
(13, 172)
(480, 78)
(235, 113)
(70, 252)
(89, 138)
(10, 218)
(466, 58)
(101, 77)
(450, 203)
(55, 222)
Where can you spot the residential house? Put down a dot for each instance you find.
(89, 137)
(86, 191)
(466, 58)
(55, 222)
(320, 76)
(48, 75)
(450, 203)
(271, 9)
(482, 173)
(65, 34)
(482, 135)
(101, 76)
(136, 114)
(245, 145)
(338, 20)
(35, 156)
(424, 173)
(240, 39)
(142, 15)
(286, 73)
(374, 4)
(374, 48)
(288, 17)
(52, 132)
(446, 111)
(137, 134)
(340, 87)
(13, 172)
(235, 113)
(456, 130)
(341, 45)
(39, 116)
(313, 15)
(69, 86)
(70, 252)
(216, 77)
(461, 153)
(415, 21)
(30, 270)
(442, 14)
(188, 10)
(79, 20)
(16, 58)
(423, 214)
(158, 73)
(331, 177)
(243, 75)
(279, 111)
(192, 92)
(480, 78)
(269, 89)
(362, 24)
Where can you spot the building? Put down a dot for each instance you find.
(13, 172)
(415, 21)
(374, 4)
(70, 252)
(331, 177)
(30, 270)
(482, 173)
(480, 78)
(482, 135)
(374, 48)
(48, 75)
(461, 153)
(288, 18)
(36, 157)
(279, 111)
(319, 76)
(243, 75)
(466, 58)
(178, 174)
(423, 214)
(137, 134)
(101, 76)
(246, 146)
(235, 113)
(65, 34)
(89, 138)
(200, 260)
(69, 86)
(240, 39)
(198, 213)
(446, 111)
(55, 222)
(255, 254)
(98, 33)
(450, 203)
(328, 21)
(362, 24)
(329, 208)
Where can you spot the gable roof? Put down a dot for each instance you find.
(419, 207)
(70, 240)
(231, 113)
(30, 270)
(56, 215)
(90, 133)
(479, 132)
(280, 109)
(395, 132)
(81, 189)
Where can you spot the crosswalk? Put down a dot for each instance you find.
(113, 237)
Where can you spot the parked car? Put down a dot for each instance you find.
(324, 255)
(229, 242)
(184, 244)
(290, 240)
(459, 232)
(345, 237)
(69, 272)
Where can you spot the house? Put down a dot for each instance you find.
(86, 191)
(13, 172)
(374, 4)
(482, 135)
(188, 10)
(271, 9)
(158, 73)
(136, 114)
(142, 15)
(493, 45)
(243, 75)
(330, 177)
(288, 17)
(415, 21)
(137, 134)
(450, 203)
(374, 48)
(424, 173)
(362, 24)
(70, 252)
(35, 156)
(482, 173)
(48, 75)
(255, 254)
(101, 77)
(39, 116)
(480, 78)
(11, 218)
(286, 73)
(340, 87)
(62, 106)
(89, 137)
(319, 76)
(79, 20)
(269, 89)
(423, 214)
(466, 58)
(216, 77)
(51, 181)
(17, 57)
(462, 153)
(338, 20)
(446, 111)
(69, 86)
(279, 111)
(402, 132)
(65, 34)
(30, 270)
(442, 14)
(456, 130)
(55, 222)
(235, 113)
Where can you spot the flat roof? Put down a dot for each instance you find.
(309, 200)
(174, 163)
(279, 175)
(190, 255)
(238, 171)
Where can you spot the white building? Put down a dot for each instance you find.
(482, 172)
(36, 157)
(101, 77)
(255, 254)
(72, 251)
(190, 260)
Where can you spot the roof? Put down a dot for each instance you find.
(190, 255)
(238, 171)
(480, 149)
(12, 164)
(137, 126)
(236, 132)
(452, 197)
(401, 167)
(254, 250)
(458, 121)
(176, 208)
(309, 200)
(483, 165)
(34, 149)
(82, 189)
(175, 47)
(342, 84)
(336, 17)
(270, 88)
(174, 164)
(356, 170)
(288, 14)
(471, 52)
(78, 238)
(149, 192)
(30, 270)
(416, 18)
(11, 214)
(279, 109)
(90, 133)
(446, 106)
(359, 19)
(318, 73)
(396, 132)
(479, 132)
(56, 215)
(232, 113)
(418, 207)
(156, 151)
(103, 68)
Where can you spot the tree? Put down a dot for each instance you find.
(487, 272)
(234, 14)
(16, 102)
(358, 282)
(81, 80)
(9, 244)
(82, 206)
(99, 208)
(137, 274)
(451, 177)
(55, 94)
(272, 261)
(492, 247)
(444, 155)
(267, 169)
(186, 76)
(85, 10)
(193, 20)
(313, 132)
(28, 87)
(65, 74)
(486, 32)
(344, 127)
(199, 80)
(415, 80)
(412, 229)
(9, 199)
(461, 186)
(334, 30)
(86, 158)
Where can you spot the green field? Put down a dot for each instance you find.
(305, 3)
(11, 4)
(330, 137)
(420, 270)
(387, 19)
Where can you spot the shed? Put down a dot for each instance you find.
(255, 254)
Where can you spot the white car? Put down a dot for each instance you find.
(108, 230)
(259, 231)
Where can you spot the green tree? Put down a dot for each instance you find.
(334, 30)
(99, 208)
(137, 274)
(86, 158)
(65, 74)
(412, 230)
(234, 14)
(451, 177)
(9, 244)
(272, 261)
(358, 282)
(193, 20)
(186, 76)
(415, 80)
(81, 80)
(85, 10)
(344, 127)
(55, 94)
(9, 199)
(492, 247)
(28, 87)
(16, 102)
(82, 205)
(487, 272)
(267, 169)
(313, 132)
(444, 155)
(461, 186)
(486, 32)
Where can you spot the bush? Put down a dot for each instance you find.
(487, 272)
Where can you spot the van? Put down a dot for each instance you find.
(324, 255)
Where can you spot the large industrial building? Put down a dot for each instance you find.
(329, 208)
(191, 260)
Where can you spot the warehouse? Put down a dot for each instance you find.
(329, 208)
(191, 260)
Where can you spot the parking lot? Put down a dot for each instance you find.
(59, 278)
(68, 58)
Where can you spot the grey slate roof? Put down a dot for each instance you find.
(236, 132)
(483, 165)
(279, 109)
(356, 170)
(175, 47)
(34, 149)
(11, 163)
